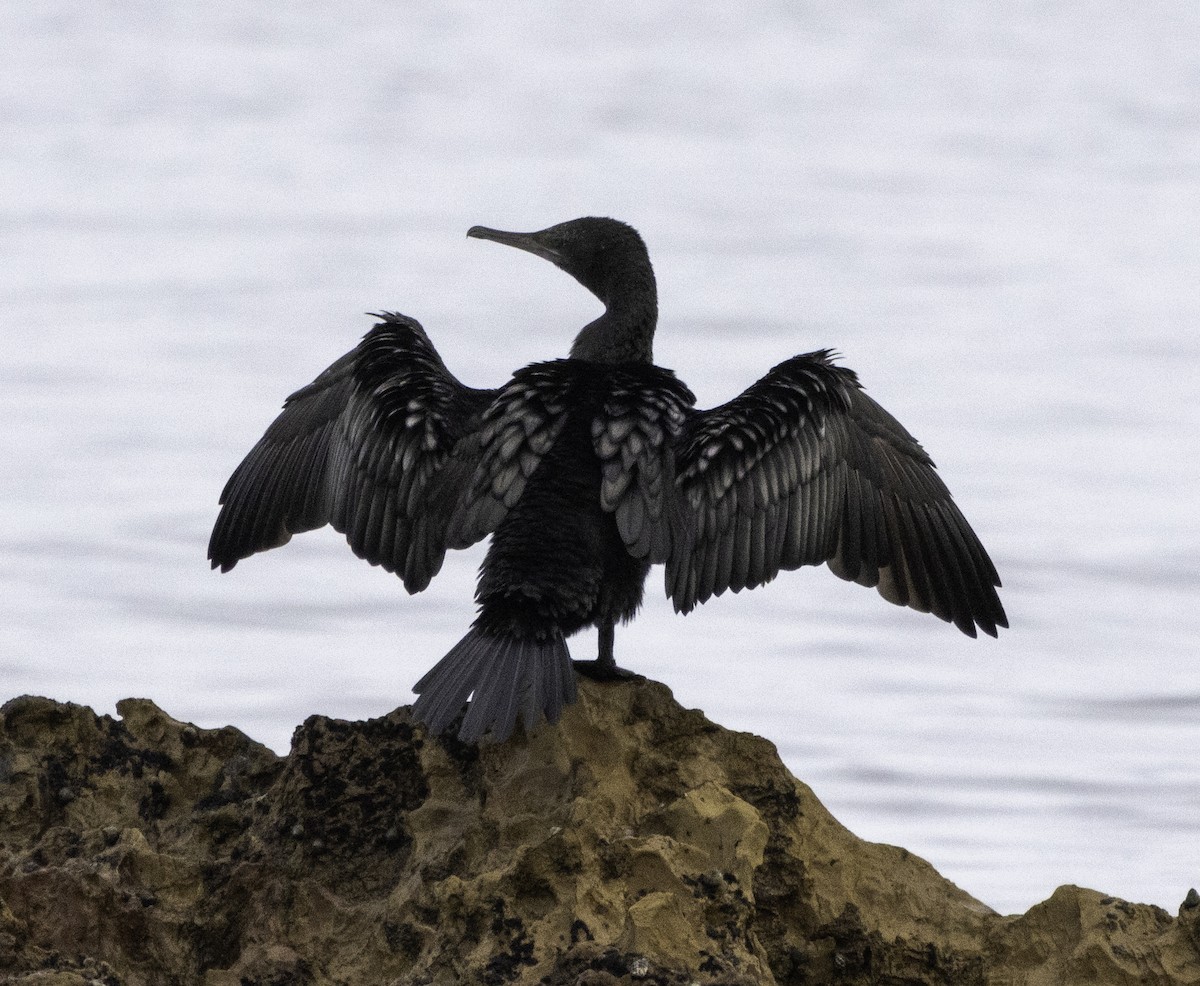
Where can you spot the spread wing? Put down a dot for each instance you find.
(361, 448)
(803, 468)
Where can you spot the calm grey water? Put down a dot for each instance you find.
(990, 209)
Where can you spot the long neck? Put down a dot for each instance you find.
(625, 332)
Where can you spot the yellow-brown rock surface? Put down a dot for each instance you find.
(635, 842)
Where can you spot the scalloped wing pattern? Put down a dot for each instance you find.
(804, 468)
(356, 449)
(516, 431)
(633, 437)
(754, 479)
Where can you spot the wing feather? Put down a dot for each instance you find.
(804, 468)
(633, 434)
(517, 430)
(357, 449)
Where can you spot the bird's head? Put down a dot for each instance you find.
(606, 256)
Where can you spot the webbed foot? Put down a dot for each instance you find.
(604, 668)
(604, 671)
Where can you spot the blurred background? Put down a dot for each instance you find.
(990, 209)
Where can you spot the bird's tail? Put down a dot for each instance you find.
(507, 676)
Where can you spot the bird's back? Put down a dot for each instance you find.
(558, 558)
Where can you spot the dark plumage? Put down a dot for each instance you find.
(586, 471)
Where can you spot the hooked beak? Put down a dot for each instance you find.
(528, 242)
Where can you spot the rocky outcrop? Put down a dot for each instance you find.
(635, 842)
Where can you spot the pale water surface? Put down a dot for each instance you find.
(991, 209)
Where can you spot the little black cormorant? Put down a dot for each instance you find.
(587, 471)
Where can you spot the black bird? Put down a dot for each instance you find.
(588, 470)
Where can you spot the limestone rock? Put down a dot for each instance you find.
(634, 842)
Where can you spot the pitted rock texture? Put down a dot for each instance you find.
(633, 843)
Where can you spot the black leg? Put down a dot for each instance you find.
(606, 634)
(604, 668)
